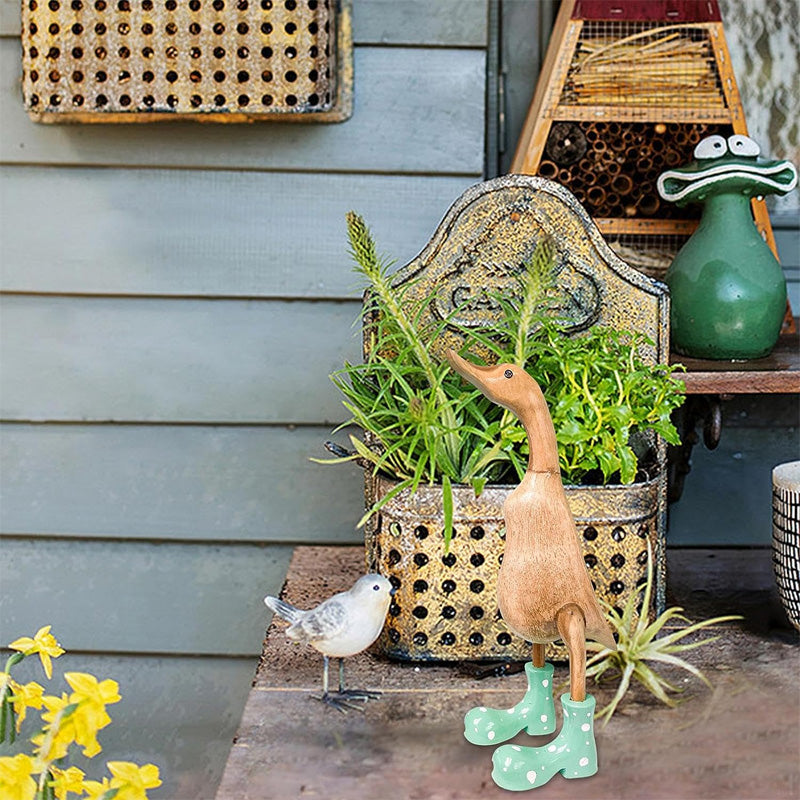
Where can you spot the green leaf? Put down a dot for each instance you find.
(447, 508)
(4, 711)
(477, 485)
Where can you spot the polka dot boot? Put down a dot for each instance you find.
(572, 752)
(535, 713)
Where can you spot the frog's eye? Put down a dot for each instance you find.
(742, 145)
(711, 147)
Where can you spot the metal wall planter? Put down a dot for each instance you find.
(445, 608)
(205, 60)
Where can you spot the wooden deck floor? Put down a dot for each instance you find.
(739, 740)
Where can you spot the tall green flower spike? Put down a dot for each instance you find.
(572, 753)
(535, 713)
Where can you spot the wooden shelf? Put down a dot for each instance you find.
(646, 226)
(630, 112)
(778, 373)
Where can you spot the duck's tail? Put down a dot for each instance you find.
(600, 631)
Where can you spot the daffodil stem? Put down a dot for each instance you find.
(4, 706)
(42, 787)
(12, 660)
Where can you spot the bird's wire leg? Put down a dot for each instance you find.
(362, 695)
(337, 701)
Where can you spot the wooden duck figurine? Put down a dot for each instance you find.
(544, 593)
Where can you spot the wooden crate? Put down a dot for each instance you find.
(627, 89)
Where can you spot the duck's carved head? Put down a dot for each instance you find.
(508, 385)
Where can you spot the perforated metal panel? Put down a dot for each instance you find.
(218, 60)
(445, 605)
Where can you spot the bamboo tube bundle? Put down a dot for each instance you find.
(648, 205)
(596, 195)
(603, 179)
(612, 167)
(622, 184)
(547, 169)
(668, 65)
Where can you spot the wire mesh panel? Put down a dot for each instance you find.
(634, 63)
(141, 60)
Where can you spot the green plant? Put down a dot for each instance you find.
(72, 719)
(423, 424)
(638, 647)
(600, 392)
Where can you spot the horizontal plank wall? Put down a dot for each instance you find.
(230, 234)
(175, 298)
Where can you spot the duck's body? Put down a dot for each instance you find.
(544, 593)
(543, 568)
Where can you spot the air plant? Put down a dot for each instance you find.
(638, 647)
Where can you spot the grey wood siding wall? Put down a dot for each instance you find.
(175, 298)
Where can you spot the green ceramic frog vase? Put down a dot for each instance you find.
(728, 293)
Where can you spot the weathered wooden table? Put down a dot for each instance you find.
(740, 740)
(709, 382)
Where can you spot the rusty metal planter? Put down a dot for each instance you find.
(203, 60)
(446, 609)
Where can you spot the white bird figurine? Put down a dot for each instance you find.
(341, 626)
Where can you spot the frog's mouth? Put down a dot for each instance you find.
(697, 181)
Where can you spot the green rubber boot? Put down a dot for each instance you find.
(572, 752)
(536, 712)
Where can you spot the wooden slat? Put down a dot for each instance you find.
(415, 111)
(610, 226)
(212, 594)
(420, 22)
(10, 18)
(778, 373)
(228, 233)
(184, 482)
(450, 23)
(116, 359)
(642, 113)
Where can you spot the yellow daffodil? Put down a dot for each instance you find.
(59, 732)
(96, 789)
(133, 780)
(16, 782)
(24, 697)
(87, 716)
(90, 716)
(43, 643)
(66, 781)
(87, 688)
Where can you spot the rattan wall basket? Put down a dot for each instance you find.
(445, 608)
